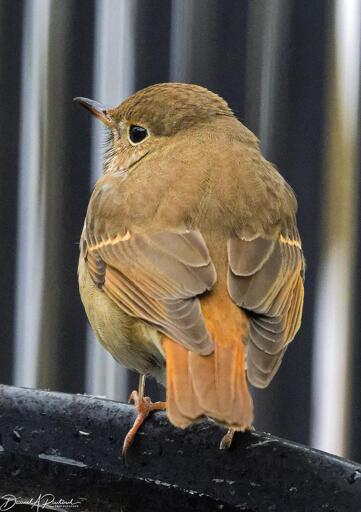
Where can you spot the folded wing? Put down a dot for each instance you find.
(265, 277)
(156, 278)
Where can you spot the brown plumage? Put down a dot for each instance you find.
(191, 267)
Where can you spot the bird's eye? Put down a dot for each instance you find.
(137, 133)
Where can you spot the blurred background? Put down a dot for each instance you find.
(291, 72)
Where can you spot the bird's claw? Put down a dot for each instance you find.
(227, 439)
(143, 407)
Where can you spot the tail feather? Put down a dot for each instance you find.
(213, 378)
(213, 385)
(242, 412)
(182, 404)
(202, 373)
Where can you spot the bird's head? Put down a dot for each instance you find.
(146, 121)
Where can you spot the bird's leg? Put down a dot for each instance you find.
(143, 406)
(227, 439)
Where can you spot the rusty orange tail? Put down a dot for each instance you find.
(213, 385)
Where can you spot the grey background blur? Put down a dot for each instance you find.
(291, 72)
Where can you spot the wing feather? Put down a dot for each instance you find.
(158, 279)
(265, 277)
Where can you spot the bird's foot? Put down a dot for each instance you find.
(227, 439)
(143, 407)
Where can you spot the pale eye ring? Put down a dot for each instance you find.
(137, 133)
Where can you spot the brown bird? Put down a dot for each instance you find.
(191, 268)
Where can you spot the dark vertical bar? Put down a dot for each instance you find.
(284, 408)
(152, 42)
(76, 182)
(355, 380)
(219, 49)
(11, 15)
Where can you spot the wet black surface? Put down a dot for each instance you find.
(70, 445)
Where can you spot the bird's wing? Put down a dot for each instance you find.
(265, 277)
(156, 278)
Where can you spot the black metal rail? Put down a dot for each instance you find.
(69, 446)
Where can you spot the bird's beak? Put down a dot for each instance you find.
(97, 109)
